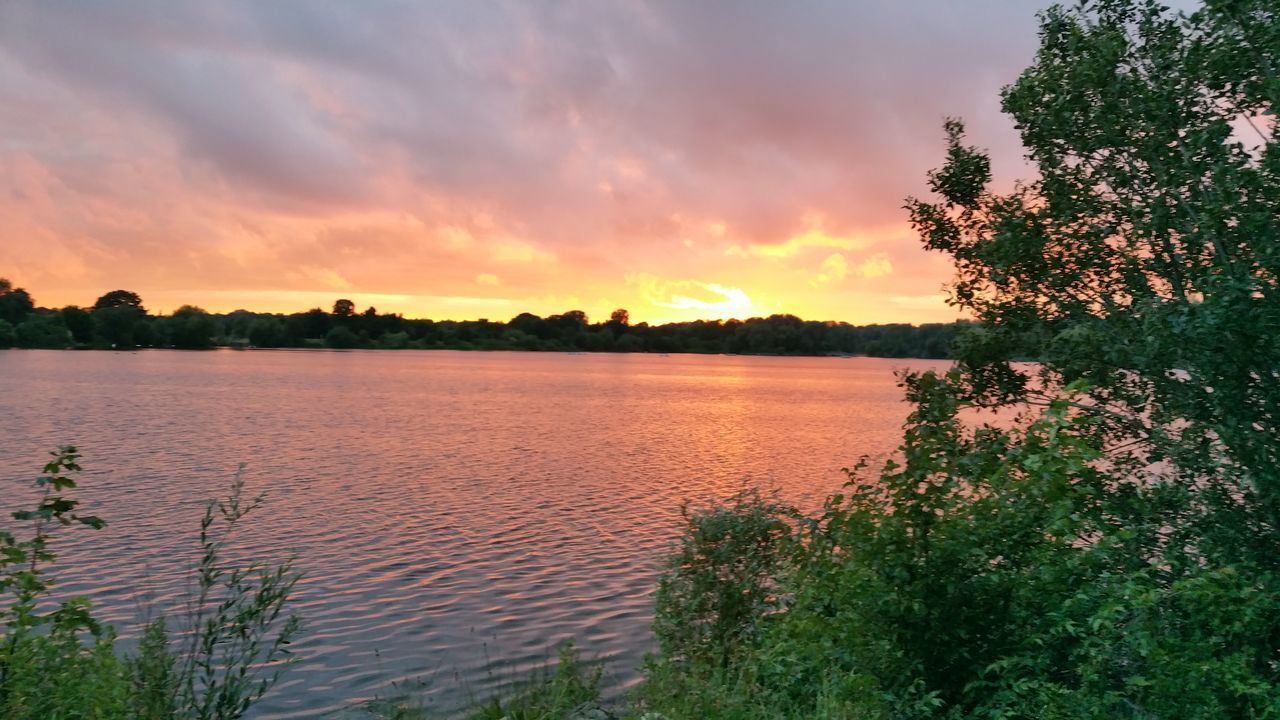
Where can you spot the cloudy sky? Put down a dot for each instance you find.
(479, 159)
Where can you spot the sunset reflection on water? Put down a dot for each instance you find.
(456, 514)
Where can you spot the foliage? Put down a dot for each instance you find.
(191, 328)
(718, 581)
(8, 338)
(267, 333)
(563, 692)
(80, 323)
(344, 308)
(44, 662)
(118, 321)
(1108, 549)
(15, 303)
(1143, 258)
(41, 330)
(57, 661)
(237, 644)
(119, 298)
(551, 695)
(118, 327)
(993, 573)
(342, 338)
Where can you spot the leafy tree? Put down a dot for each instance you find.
(344, 308)
(43, 330)
(1143, 258)
(341, 338)
(531, 324)
(120, 298)
(574, 319)
(394, 341)
(619, 319)
(120, 321)
(314, 323)
(15, 303)
(118, 326)
(1111, 547)
(267, 333)
(8, 338)
(191, 328)
(80, 322)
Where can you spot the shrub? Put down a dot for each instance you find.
(722, 577)
(57, 661)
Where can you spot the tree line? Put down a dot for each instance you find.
(118, 320)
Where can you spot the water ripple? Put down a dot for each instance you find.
(455, 514)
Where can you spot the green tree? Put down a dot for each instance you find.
(619, 319)
(314, 323)
(8, 338)
(1111, 547)
(80, 322)
(1143, 257)
(43, 330)
(191, 328)
(344, 308)
(267, 333)
(15, 303)
(114, 327)
(530, 324)
(119, 298)
(341, 338)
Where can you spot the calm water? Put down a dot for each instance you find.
(456, 514)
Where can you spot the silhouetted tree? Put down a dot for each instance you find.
(80, 323)
(119, 298)
(119, 320)
(344, 308)
(341, 337)
(569, 327)
(618, 321)
(267, 333)
(114, 325)
(15, 303)
(43, 330)
(191, 328)
(531, 324)
(314, 323)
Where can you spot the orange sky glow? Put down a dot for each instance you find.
(463, 160)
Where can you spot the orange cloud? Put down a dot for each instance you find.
(273, 156)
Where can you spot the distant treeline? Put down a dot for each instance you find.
(118, 320)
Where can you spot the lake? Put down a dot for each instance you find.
(456, 514)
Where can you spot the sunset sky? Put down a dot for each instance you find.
(479, 159)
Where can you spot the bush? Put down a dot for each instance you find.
(62, 663)
(721, 579)
(341, 338)
(991, 573)
(43, 331)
